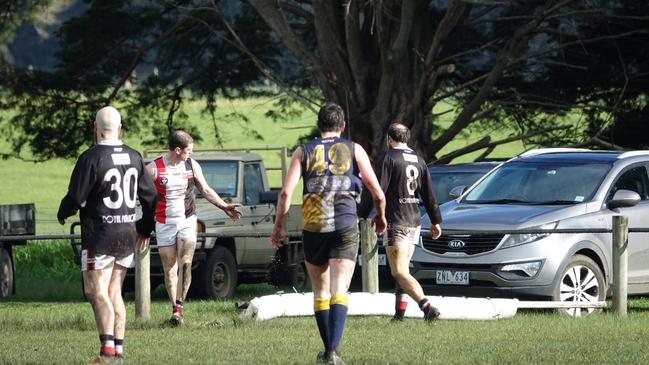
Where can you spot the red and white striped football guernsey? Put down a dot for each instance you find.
(175, 186)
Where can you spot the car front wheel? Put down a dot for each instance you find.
(581, 281)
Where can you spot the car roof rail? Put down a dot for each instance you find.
(632, 154)
(539, 151)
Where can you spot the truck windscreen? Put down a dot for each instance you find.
(221, 176)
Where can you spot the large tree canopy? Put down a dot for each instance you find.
(178, 47)
(14, 12)
(522, 66)
(553, 72)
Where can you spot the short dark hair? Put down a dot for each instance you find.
(180, 139)
(331, 117)
(399, 133)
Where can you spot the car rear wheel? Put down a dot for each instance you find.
(581, 281)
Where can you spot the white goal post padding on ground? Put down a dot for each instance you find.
(382, 304)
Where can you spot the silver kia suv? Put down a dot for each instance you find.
(542, 189)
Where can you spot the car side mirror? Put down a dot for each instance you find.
(623, 199)
(268, 197)
(457, 191)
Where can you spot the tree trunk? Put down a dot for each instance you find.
(384, 61)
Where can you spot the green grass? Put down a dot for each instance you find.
(49, 322)
(46, 259)
(64, 333)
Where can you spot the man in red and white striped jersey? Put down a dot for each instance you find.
(175, 176)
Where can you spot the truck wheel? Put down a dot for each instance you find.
(6, 274)
(218, 278)
(581, 281)
(300, 277)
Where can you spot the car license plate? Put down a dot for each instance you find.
(382, 259)
(448, 277)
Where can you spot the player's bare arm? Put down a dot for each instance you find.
(232, 210)
(293, 174)
(372, 184)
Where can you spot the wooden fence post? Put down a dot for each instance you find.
(143, 284)
(620, 264)
(370, 262)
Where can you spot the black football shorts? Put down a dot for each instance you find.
(341, 244)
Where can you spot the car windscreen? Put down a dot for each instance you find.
(540, 182)
(447, 180)
(221, 176)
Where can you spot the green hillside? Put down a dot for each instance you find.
(45, 183)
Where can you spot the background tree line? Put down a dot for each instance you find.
(550, 73)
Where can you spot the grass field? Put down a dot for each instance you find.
(45, 183)
(63, 333)
(48, 322)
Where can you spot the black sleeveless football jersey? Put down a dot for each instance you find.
(405, 179)
(105, 184)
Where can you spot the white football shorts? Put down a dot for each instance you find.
(167, 233)
(100, 262)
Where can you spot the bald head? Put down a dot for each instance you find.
(108, 122)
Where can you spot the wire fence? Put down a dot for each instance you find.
(447, 232)
(619, 233)
(45, 237)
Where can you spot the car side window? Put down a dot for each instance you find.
(634, 179)
(252, 183)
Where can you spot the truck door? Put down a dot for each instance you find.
(259, 217)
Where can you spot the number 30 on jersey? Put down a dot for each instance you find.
(122, 190)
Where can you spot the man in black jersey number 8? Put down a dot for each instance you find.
(404, 178)
(106, 181)
(329, 166)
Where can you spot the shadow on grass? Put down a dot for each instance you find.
(29, 289)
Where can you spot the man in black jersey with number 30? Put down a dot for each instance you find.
(404, 178)
(105, 184)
